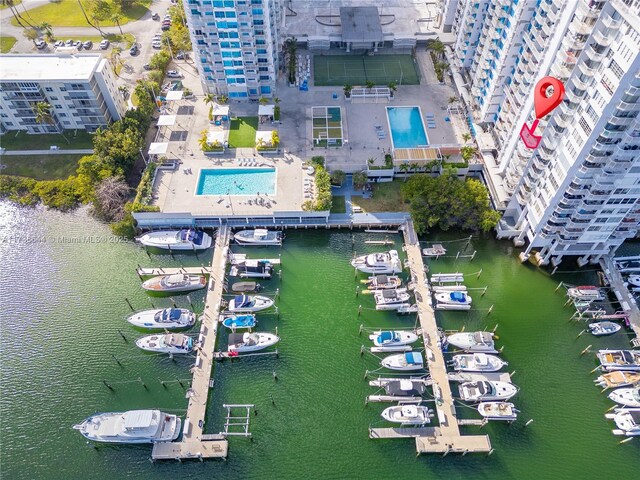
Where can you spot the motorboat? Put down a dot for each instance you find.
(186, 239)
(619, 360)
(389, 338)
(473, 341)
(168, 343)
(404, 388)
(485, 390)
(477, 362)
(384, 263)
(246, 287)
(634, 280)
(435, 250)
(259, 236)
(498, 411)
(249, 303)
(252, 269)
(407, 361)
(383, 282)
(391, 299)
(164, 318)
(629, 397)
(627, 420)
(251, 342)
(134, 426)
(453, 298)
(617, 379)
(588, 293)
(603, 328)
(239, 322)
(176, 283)
(407, 414)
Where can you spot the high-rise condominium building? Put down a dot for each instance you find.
(235, 45)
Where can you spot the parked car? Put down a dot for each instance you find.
(78, 45)
(164, 28)
(104, 44)
(174, 74)
(182, 55)
(146, 66)
(69, 43)
(40, 44)
(134, 50)
(156, 45)
(88, 45)
(155, 16)
(59, 43)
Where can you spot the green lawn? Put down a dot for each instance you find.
(242, 132)
(3, 5)
(40, 167)
(338, 204)
(22, 141)
(337, 70)
(67, 13)
(386, 198)
(6, 43)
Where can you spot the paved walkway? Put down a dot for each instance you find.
(87, 151)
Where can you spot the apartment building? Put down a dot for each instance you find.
(235, 45)
(81, 90)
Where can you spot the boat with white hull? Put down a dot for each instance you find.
(629, 397)
(617, 379)
(164, 318)
(176, 283)
(251, 342)
(176, 240)
(408, 361)
(435, 250)
(498, 411)
(477, 362)
(134, 426)
(249, 303)
(407, 414)
(627, 420)
(392, 299)
(456, 298)
(378, 263)
(259, 236)
(634, 280)
(619, 360)
(587, 293)
(240, 322)
(246, 287)
(173, 343)
(392, 338)
(482, 391)
(603, 328)
(473, 341)
(252, 269)
(382, 282)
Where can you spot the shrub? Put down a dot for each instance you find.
(337, 177)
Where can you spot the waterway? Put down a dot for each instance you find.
(62, 291)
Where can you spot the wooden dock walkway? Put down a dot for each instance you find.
(194, 444)
(447, 437)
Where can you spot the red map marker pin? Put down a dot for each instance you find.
(545, 104)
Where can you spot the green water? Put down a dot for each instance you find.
(63, 303)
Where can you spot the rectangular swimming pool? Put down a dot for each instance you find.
(236, 181)
(407, 128)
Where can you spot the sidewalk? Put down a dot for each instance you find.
(87, 151)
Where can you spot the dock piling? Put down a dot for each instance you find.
(490, 310)
(129, 303)
(357, 291)
(275, 376)
(360, 329)
(529, 422)
(116, 359)
(558, 287)
(585, 350)
(122, 335)
(479, 273)
(273, 402)
(143, 384)
(362, 350)
(359, 310)
(108, 386)
(625, 440)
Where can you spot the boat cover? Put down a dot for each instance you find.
(413, 358)
(386, 337)
(191, 236)
(172, 314)
(381, 279)
(236, 338)
(138, 419)
(405, 388)
(240, 320)
(242, 301)
(389, 294)
(458, 297)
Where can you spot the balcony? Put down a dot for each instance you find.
(593, 54)
(622, 121)
(603, 39)
(633, 91)
(611, 23)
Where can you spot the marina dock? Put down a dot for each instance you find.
(195, 444)
(627, 302)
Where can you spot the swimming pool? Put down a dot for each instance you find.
(407, 129)
(236, 181)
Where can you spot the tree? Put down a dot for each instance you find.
(275, 100)
(404, 168)
(437, 47)
(222, 99)
(179, 37)
(393, 86)
(369, 84)
(467, 153)
(43, 114)
(466, 136)
(415, 167)
(371, 161)
(453, 99)
(347, 90)
(338, 177)
(116, 14)
(119, 145)
(291, 48)
(160, 60)
(263, 100)
(111, 195)
(360, 179)
(98, 11)
(209, 99)
(30, 34)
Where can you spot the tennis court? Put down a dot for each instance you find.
(327, 126)
(338, 70)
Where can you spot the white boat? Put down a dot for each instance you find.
(498, 411)
(187, 239)
(453, 298)
(249, 303)
(629, 397)
(251, 342)
(473, 341)
(164, 318)
(391, 338)
(404, 361)
(619, 360)
(634, 280)
(168, 343)
(586, 292)
(484, 390)
(603, 328)
(385, 263)
(407, 414)
(404, 388)
(134, 426)
(252, 269)
(436, 250)
(391, 299)
(382, 282)
(175, 283)
(627, 420)
(477, 362)
(259, 236)
(617, 379)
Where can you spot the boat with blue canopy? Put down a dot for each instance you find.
(249, 303)
(404, 361)
(238, 322)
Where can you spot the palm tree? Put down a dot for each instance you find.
(466, 136)
(371, 161)
(46, 27)
(415, 167)
(404, 168)
(347, 90)
(393, 87)
(263, 100)
(30, 34)
(275, 100)
(116, 14)
(369, 84)
(222, 99)
(43, 114)
(453, 99)
(437, 47)
(209, 98)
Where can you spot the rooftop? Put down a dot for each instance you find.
(360, 24)
(48, 67)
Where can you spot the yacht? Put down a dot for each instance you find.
(617, 379)
(385, 263)
(473, 341)
(436, 250)
(603, 328)
(246, 287)
(391, 338)
(481, 391)
(404, 388)
(629, 397)
(134, 426)
(477, 362)
(168, 343)
(176, 240)
(249, 303)
(498, 411)
(251, 342)
(586, 293)
(164, 318)
(404, 361)
(453, 298)
(176, 283)
(259, 236)
(407, 414)
(627, 420)
(252, 269)
(391, 299)
(382, 282)
(238, 322)
(619, 360)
